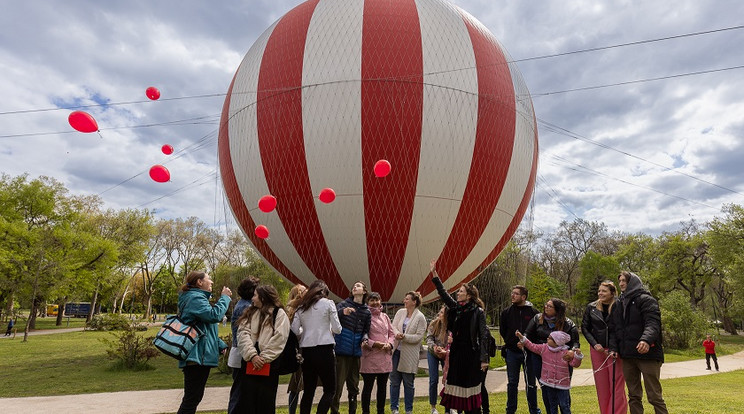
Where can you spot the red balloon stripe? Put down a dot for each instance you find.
(235, 198)
(279, 127)
(387, 221)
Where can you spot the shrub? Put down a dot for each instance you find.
(131, 350)
(682, 324)
(110, 322)
(222, 363)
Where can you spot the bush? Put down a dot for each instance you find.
(131, 350)
(222, 363)
(110, 322)
(682, 324)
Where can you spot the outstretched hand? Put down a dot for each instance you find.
(518, 334)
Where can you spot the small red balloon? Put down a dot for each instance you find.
(267, 203)
(327, 195)
(382, 168)
(167, 149)
(82, 121)
(153, 93)
(262, 231)
(159, 173)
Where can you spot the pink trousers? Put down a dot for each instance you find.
(603, 372)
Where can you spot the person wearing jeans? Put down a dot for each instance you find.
(436, 342)
(396, 377)
(409, 325)
(516, 318)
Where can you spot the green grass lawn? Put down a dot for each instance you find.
(76, 363)
(694, 395)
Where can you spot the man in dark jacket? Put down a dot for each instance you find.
(635, 334)
(516, 317)
(355, 318)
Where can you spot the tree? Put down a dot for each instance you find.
(725, 237)
(42, 243)
(595, 269)
(684, 263)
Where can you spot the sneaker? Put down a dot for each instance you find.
(434, 411)
(395, 412)
(707, 369)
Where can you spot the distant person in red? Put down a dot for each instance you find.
(710, 351)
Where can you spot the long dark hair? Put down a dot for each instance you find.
(560, 313)
(269, 298)
(191, 279)
(474, 296)
(315, 292)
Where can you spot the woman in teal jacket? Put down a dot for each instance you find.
(195, 309)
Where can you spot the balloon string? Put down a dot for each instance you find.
(99, 133)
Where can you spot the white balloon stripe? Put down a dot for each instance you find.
(333, 141)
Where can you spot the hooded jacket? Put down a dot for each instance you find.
(636, 317)
(515, 318)
(196, 309)
(354, 328)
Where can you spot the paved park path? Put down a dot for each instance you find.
(215, 398)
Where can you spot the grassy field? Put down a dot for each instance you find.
(76, 363)
(694, 395)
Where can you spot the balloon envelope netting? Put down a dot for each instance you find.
(335, 86)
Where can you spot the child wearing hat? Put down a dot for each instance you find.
(555, 378)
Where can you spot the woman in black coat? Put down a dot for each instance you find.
(468, 357)
(608, 371)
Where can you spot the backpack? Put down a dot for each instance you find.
(290, 359)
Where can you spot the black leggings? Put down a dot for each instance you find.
(318, 361)
(369, 382)
(194, 380)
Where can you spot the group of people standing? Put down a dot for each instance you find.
(341, 342)
(624, 336)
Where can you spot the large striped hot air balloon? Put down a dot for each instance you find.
(333, 87)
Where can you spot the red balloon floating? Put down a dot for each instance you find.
(327, 195)
(159, 173)
(153, 93)
(82, 121)
(262, 231)
(267, 203)
(382, 168)
(167, 149)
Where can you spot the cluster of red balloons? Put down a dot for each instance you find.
(84, 122)
(267, 203)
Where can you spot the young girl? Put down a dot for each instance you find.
(555, 378)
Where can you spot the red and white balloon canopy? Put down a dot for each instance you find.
(335, 86)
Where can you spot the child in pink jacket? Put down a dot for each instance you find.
(555, 377)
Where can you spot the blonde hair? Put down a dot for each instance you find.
(611, 286)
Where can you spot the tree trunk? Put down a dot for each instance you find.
(93, 304)
(728, 325)
(61, 310)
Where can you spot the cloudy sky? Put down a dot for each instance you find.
(641, 116)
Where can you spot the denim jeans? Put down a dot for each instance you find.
(556, 398)
(515, 361)
(434, 364)
(395, 380)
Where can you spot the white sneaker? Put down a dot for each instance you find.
(434, 411)
(395, 412)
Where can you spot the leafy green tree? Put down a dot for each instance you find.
(543, 287)
(683, 324)
(595, 269)
(726, 240)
